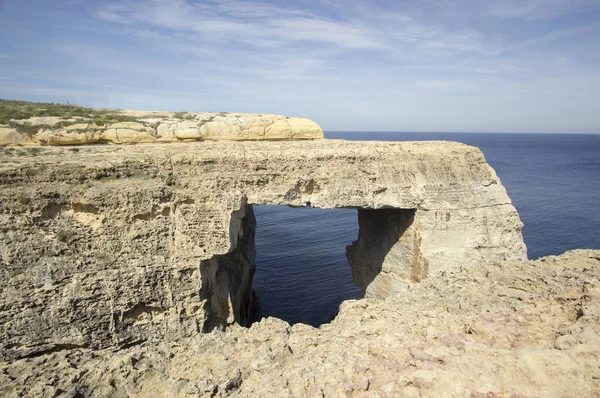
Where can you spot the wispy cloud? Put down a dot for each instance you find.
(534, 9)
(260, 24)
(534, 41)
(550, 36)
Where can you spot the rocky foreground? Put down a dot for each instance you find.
(498, 329)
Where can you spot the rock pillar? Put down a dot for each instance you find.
(387, 252)
(227, 279)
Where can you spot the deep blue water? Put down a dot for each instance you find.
(553, 180)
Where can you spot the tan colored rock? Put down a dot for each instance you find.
(145, 114)
(459, 334)
(128, 132)
(129, 126)
(45, 120)
(279, 130)
(154, 242)
(10, 136)
(66, 137)
(79, 126)
(153, 127)
(304, 129)
(240, 127)
(178, 130)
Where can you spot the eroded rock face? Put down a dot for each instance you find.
(500, 328)
(227, 278)
(110, 246)
(157, 127)
(388, 250)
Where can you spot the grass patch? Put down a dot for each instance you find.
(21, 110)
(183, 116)
(25, 128)
(24, 110)
(107, 119)
(31, 130)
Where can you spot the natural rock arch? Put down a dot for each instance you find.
(159, 211)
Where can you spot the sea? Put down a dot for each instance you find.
(302, 274)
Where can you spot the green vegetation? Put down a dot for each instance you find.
(24, 110)
(183, 116)
(27, 129)
(19, 110)
(112, 118)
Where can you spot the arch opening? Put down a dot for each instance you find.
(299, 264)
(302, 273)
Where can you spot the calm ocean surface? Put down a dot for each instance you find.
(553, 180)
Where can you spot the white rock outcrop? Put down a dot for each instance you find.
(158, 127)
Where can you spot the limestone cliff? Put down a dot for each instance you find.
(115, 245)
(121, 127)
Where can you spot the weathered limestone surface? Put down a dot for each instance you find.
(491, 329)
(114, 245)
(146, 127)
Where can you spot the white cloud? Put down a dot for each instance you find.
(533, 9)
(263, 25)
(234, 39)
(550, 36)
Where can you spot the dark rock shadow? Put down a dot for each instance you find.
(227, 280)
(379, 230)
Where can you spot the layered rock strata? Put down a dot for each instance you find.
(156, 127)
(490, 329)
(115, 245)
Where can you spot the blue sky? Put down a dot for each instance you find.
(421, 65)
